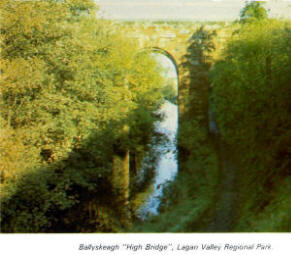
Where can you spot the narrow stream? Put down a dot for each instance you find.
(167, 166)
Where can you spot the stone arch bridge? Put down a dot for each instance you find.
(168, 39)
(172, 40)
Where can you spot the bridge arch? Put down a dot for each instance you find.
(166, 54)
(171, 58)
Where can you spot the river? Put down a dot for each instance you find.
(167, 165)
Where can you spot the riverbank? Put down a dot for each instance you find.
(188, 198)
(167, 165)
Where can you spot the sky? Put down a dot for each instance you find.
(202, 10)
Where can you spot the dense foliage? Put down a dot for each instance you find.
(77, 97)
(246, 185)
(251, 99)
(187, 200)
(70, 84)
(253, 11)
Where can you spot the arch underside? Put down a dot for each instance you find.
(165, 53)
(170, 56)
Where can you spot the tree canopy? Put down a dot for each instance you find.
(251, 100)
(252, 11)
(69, 82)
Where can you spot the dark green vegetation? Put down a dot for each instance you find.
(238, 179)
(252, 102)
(188, 200)
(77, 113)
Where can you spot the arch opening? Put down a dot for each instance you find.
(169, 71)
(167, 164)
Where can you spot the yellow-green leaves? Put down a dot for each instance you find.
(69, 83)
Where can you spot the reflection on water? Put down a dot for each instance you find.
(167, 165)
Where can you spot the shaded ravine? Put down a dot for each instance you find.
(224, 213)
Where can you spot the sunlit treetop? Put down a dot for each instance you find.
(253, 11)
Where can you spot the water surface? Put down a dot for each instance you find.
(167, 166)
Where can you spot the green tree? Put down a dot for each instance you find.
(251, 99)
(253, 11)
(69, 83)
(196, 63)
